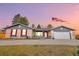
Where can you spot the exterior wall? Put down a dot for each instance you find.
(29, 33)
(7, 33)
(33, 33)
(52, 34)
(18, 33)
(49, 34)
(19, 28)
(72, 35)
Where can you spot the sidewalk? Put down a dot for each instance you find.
(40, 42)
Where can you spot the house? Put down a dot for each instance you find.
(62, 32)
(18, 31)
(23, 31)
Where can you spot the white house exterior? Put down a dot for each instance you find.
(62, 32)
(23, 31)
(18, 31)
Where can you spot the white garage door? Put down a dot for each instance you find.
(61, 35)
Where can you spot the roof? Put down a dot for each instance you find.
(63, 27)
(41, 29)
(17, 25)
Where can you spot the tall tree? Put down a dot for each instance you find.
(49, 26)
(39, 26)
(33, 26)
(24, 20)
(16, 19)
(20, 19)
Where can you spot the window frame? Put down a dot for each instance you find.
(12, 33)
(22, 33)
(39, 34)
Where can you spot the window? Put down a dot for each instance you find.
(61, 28)
(13, 32)
(24, 32)
(39, 34)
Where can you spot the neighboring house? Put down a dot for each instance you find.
(18, 31)
(63, 32)
(23, 31)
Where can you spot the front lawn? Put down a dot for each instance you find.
(35, 50)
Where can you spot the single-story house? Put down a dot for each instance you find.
(23, 31)
(18, 31)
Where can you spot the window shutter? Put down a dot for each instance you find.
(11, 33)
(21, 32)
(16, 33)
(26, 34)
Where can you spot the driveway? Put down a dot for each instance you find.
(40, 42)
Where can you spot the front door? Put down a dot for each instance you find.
(45, 34)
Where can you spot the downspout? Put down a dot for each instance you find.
(70, 35)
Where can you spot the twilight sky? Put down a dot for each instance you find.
(41, 13)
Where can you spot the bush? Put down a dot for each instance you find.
(77, 36)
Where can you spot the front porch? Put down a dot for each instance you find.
(42, 34)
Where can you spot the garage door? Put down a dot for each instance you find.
(61, 35)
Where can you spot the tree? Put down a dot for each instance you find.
(33, 26)
(16, 19)
(23, 20)
(39, 26)
(20, 19)
(49, 26)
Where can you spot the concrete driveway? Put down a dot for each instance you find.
(40, 42)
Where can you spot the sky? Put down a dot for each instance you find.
(41, 13)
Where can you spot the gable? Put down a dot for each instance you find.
(62, 29)
(18, 26)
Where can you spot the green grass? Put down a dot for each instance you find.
(35, 50)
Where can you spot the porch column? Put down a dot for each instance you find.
(26, 34)
(47, 34)
(43, 34)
